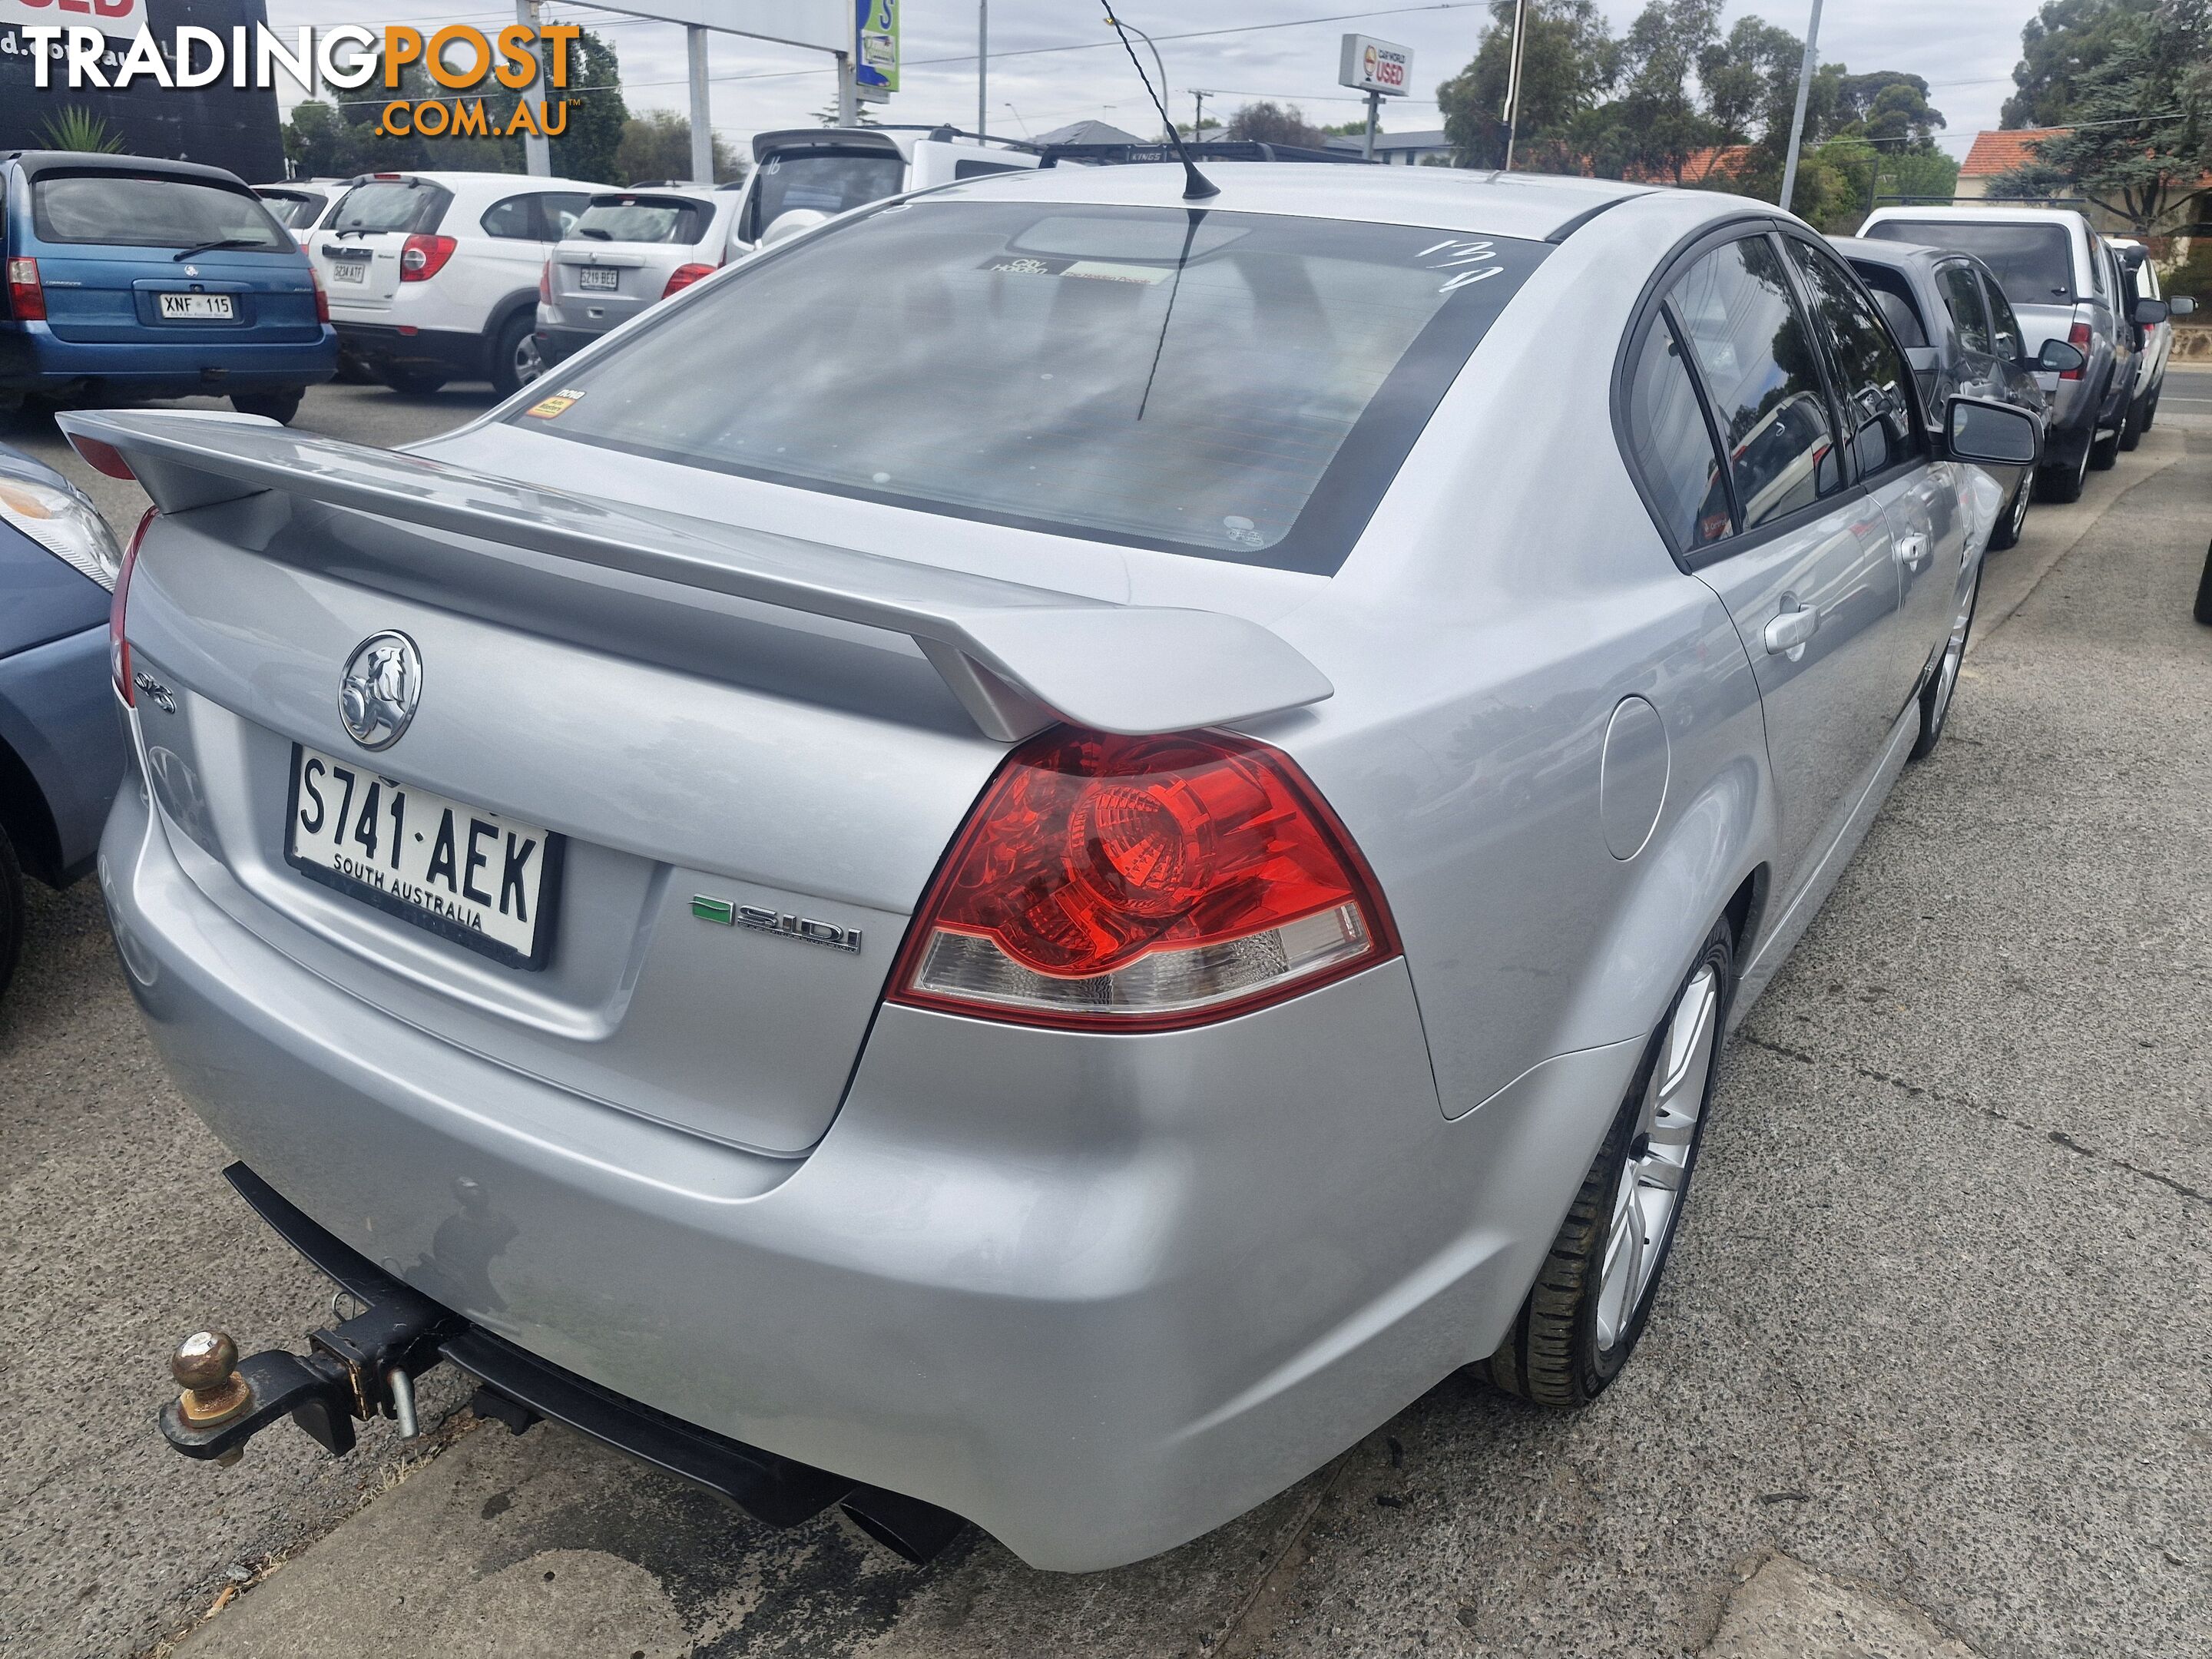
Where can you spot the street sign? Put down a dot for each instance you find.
(877, 62)
(1380, 67)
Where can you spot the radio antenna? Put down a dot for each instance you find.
(1196, 186)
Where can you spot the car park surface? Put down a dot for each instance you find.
(1902, 1340)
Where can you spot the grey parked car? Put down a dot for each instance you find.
(2064, 284)
(61, 747)
(1949, 313)
(1033, 857)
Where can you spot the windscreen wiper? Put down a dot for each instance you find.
(596, 235)
(184, 253)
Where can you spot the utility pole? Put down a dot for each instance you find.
(1374, 109)
(1513, 80)
(848, 89)
(1197, 115)
(1804, 91)
(536, 155)
(982, 64)
(703, 123)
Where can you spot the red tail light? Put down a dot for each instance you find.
(421, 258)
(1142, 885)
(683, 277)
(102, 457)
(322, 296)
(2078, 338)
(119, 645)
(545, 283)
(27, 300)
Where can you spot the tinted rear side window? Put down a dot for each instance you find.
(1760, 371)
(633, 220)
(1873, 379)
(2034, 264)
(1962, 298)
(1236, 386)
(389, 205)
(1673, 447)
(117, 211)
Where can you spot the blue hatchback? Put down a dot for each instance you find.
(128, 277)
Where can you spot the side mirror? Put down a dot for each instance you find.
(2181, 305)
(1997, 434)
(2062, 356)
(2149, 314)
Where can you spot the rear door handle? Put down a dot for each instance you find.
(1912, 550)
(1787, 633)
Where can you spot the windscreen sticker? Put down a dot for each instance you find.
(1097, 270)
(1470, 262)
(546, 408)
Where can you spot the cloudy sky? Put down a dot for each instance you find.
(1966, 49)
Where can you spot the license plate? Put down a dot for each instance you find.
(349, 270)
(597, 277)
(468, 874)
(197, 308)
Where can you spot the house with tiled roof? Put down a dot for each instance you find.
(1996, 153)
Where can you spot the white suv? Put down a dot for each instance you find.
(433, 276)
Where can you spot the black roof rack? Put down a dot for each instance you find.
(1214, 150)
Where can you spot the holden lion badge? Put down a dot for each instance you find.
(383, 683)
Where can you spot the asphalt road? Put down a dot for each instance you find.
(1936, 1328)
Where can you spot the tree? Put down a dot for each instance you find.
(1270, 123)
(1570, 62)
(657, 146)
(2064, 41)
(2140, 127)
(1655, 126)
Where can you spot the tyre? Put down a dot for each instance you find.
(2062, 481)
(515, 359)
(2150, 409)
(1594, 1293)
(2131, 428)
(279, 406)
(353, 372)
(1936, 696)
(413, 382)
(2105, 451)
(2014, 519)
(11, 911)
(2204, 592)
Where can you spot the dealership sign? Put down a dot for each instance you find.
(1382, 67)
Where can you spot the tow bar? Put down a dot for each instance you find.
(365, 1367)
(362, 1368)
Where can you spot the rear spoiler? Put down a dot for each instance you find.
(1018, 658)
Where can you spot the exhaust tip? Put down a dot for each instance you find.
(909, 1528)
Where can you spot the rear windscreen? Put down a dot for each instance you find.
(389, 205)
(827, 184)
(118, 210)
(1236, 386)
(642, 221)
(2034, 264)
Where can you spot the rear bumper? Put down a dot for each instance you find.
(556, 345)
(1096, 1294)
(32, 358)
(435, 351)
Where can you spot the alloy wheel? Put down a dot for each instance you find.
(528, 365)
(2019, 511)
(1650, 1193)
(1954, 653)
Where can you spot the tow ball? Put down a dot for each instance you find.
(361, 1368)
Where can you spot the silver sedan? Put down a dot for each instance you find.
(1032, 858)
